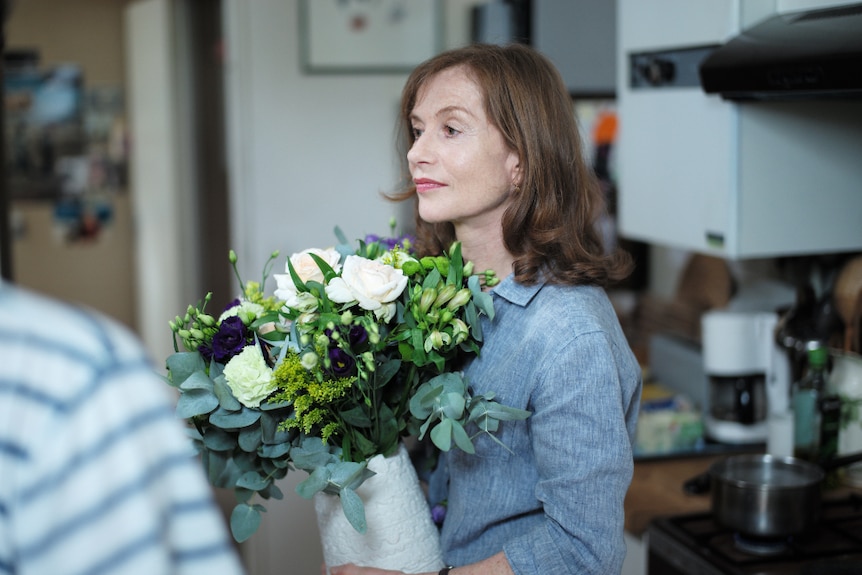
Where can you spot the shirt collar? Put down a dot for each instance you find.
(517, 293)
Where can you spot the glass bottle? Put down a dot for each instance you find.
(807, 396)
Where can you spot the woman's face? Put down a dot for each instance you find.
(463, 170)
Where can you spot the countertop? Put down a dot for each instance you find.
(656, 490)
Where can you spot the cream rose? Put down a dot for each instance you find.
(248, 377)
(374, 285)
(307, 270)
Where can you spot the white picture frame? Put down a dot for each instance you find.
(368, 36)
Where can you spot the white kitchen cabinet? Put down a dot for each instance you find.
(579, 36)
(736, 180)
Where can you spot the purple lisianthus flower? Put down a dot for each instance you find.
(357, 336)
(438, 513)
(342, 365)
(232, 304)
(206, 351)
(230, 339)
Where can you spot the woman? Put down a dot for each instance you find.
(495, 160)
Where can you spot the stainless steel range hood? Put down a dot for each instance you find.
(801, 55)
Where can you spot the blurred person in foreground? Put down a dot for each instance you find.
(96, 473)
(495, 161)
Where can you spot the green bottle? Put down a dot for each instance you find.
(807, 397)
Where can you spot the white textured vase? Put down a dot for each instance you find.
(401, 534)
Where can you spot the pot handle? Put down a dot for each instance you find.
(698, 485)
(840, 461)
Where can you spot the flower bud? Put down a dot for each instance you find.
(207, 320)
(184, 333)
(172, 325)
(461, 298)
(191, 311)
(460, 331)
(428, 296)
(304, 340)
(434, 341)
(197, 334)
(468, 269)
(347, 318)
(445, 295)
(231, 256)
(309, 360)
(322, 340)
(446, 316)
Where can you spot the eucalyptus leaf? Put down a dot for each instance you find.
(197, 380)
(234, 420)
(270, 432)
(452, 405)
(196, 402)
(275, 450)
(353, 509)
(441, 435)
(217, 439)
(224, 394)
(182, 364)
(483, 300)
(462, 440)
(343, 473)
(249, 438)
(317, 481)
(252, 480)
(244, 521)
(272, 492)
(311, 454)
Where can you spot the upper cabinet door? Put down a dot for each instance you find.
(579, 36)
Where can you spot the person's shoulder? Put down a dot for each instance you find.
(39, 320)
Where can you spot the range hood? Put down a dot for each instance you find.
(801, 55)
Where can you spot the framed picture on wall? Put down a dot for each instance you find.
(368, 36)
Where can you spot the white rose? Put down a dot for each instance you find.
(374, 285)
(248, 377)
(307, 270)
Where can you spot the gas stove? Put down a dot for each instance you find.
(696, 544)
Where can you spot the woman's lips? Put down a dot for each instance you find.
(425, 185)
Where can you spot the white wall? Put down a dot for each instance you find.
(306, 153)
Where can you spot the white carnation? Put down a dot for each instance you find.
(249, 377)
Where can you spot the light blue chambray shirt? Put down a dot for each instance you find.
(554, 503)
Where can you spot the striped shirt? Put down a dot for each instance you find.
(96, 474)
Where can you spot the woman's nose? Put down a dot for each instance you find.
(418, 152)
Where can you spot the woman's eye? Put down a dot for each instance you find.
(450, 131)
(416, 133)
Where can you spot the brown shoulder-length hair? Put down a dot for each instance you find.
(550, 226)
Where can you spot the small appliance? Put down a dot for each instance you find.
(747, 373)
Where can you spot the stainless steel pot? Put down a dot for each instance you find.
(766, 496)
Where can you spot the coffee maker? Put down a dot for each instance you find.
(748, 374)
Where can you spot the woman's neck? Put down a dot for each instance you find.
(485, 248)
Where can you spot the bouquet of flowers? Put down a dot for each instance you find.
(355, 350)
